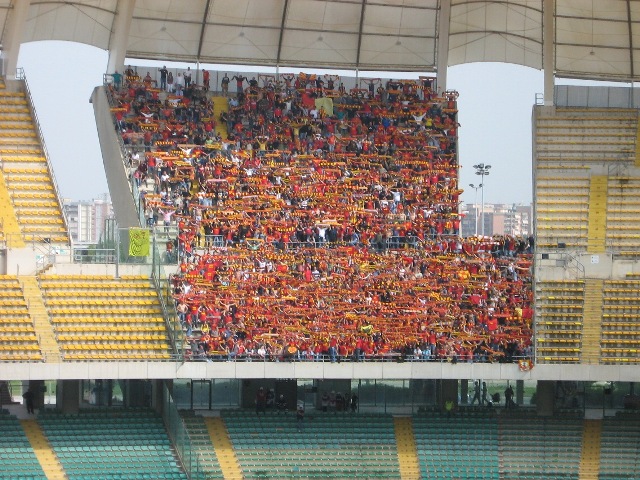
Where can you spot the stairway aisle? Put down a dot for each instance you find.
(224, 450)
(44, 453)
(41, 321)
(407, 452)
(590, 457)
(592, 320)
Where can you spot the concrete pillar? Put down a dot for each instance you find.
(448, 390)
(120, 35)
(548, 61)
(13, 36)
(157, 393)
(519, 392)
(68, 396)
(464, 392)
(138, 393)
(442, 61)
(545, 397)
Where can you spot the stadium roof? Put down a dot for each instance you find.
(592, 39)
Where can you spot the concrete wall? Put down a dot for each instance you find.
(312, 370)
(117, 174)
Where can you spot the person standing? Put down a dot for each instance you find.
(239, 82)
(261, 401)
(187, 77)
(476, 393)
(300, 418)
(508, 398)
(485, 399)
(206, 77)
(225, 85)
(163, 77)
(117, 80)
(28, 400)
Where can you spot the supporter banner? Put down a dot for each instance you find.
(326, 103)
(138, 242)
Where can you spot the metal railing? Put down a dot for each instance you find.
(184, 445)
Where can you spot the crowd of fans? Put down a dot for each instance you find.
(316, 223)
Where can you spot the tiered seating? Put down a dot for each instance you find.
(562, 209)
(623, 215)
(619, 447)
(538, 448)
(585, 135)
(27, 174)
(202, 446)
(319, 201)
(621, 321)
(118, 445)
(93, 322)
(559, 312)
(18, 339)
(328, 446)
(17, 457)
(457, 447)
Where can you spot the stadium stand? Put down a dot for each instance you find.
(326, 446)
(619, 447)
(368, 188)
(18, 457)
(123, 444)
(557, 443)
(27, 174)
(201, 438)
(18, 340)
(451, 446)
(91, 323)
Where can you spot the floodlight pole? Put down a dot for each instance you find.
(482, 170)
(475, 203)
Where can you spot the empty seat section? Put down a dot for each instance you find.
(17, 458)
(202, 446)
(118, 445)
(457, 447)
(619, 447)
(327, 447)
(540, 448)
(18, 340)
(559, 320)
(621, 321)
(102, 317)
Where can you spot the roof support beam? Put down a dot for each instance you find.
(442, 61)
(285, 7)
(362, 8)
(15, 27)
(548, 18)
(202, 29)
(120, 35)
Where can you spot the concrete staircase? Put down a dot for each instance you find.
(592, 320)
(407, 452)
(590, 456)
(597, 214)
(41, 322)
(224, 449)
(220, 104)
(44, 453)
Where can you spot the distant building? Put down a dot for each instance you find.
(86, 218)
(499, 219)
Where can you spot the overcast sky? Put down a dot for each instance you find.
(495, 107)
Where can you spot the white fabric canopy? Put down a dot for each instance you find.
(596, 39)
